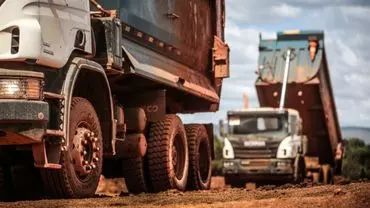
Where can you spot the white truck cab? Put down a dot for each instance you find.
(44, 32)
(263, 144)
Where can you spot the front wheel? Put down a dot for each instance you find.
(82, 162)
(299, 169)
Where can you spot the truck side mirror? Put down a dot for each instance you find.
(222, 128)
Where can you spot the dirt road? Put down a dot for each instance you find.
(351, 195)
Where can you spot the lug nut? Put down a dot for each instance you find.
(95, 139)
(84, 141)
(93, 166)
(88, 167)
(96, 159)
(85, 162)
(92, 134)
(97, 149)
(84, 153)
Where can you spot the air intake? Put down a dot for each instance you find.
(15, 41)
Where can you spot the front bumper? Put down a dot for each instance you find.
(22, 121)
(255, 169)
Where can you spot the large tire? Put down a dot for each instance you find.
(6, 186)
(168, 154)
(200, 167)
(77, 178)
(134, 174)
(299, 169)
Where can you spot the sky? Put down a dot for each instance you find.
(346, 24)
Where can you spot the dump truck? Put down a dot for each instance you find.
(263, 145)
(93, 87)
(308, 90)
(295, 133)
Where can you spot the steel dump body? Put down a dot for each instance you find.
(309, 88)
(172, 44)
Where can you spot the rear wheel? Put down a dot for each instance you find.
(134, 174)
(200, 168)
(82, 162)
(168, 154)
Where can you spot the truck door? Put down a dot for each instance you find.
(60, 20)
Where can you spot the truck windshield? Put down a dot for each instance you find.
(254, 124)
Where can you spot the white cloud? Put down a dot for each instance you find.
(285, 10)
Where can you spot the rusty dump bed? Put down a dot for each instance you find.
(309, 88)
(171, 42)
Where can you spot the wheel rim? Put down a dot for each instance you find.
(84, 151)
(203, 158)
(178, 157)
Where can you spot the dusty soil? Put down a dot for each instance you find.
(112, 193)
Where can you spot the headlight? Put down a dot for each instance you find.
(228, 151)
(21, 88)
(228, 164)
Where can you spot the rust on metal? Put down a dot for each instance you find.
(40, 157)
(220, 62)
(50, 95)
(50, 132)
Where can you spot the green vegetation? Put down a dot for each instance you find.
(356, 161)
(217, 162)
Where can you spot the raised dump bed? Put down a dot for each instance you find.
(309, 89)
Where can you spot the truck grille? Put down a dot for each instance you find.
(1, 2)
(269, 151)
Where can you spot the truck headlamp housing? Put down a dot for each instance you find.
(21, 88)
(228, 150)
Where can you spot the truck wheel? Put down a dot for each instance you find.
(200, 168)
(327, 174)
(168, 154)
(299, 169)
(6, 187)
(134, 174)
(82, 162)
